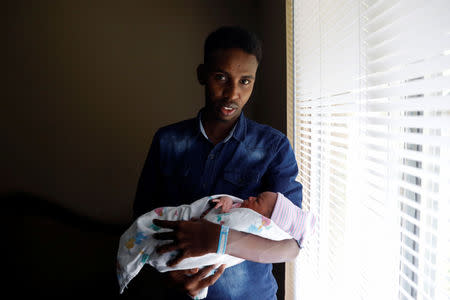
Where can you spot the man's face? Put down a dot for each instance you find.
(229, 77)
(263, 204)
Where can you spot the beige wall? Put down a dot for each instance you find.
(89, 82)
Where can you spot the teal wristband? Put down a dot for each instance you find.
(222, 239)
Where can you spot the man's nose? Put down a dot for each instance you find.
(232, 91)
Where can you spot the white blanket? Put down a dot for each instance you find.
(137, 246)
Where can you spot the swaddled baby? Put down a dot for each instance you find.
(270, 215)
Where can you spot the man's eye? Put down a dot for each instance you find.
(245, 81)
(220, 77)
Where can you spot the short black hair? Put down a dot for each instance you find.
(227, 37)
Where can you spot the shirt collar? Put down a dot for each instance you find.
(238, 131)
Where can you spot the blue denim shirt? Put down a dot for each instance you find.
(183, 166)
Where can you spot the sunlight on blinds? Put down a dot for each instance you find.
(372, 140)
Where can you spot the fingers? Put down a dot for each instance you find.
(177, 259)
(210, 280)
(221, 269)
(166, 224)
(167, 248)
(178, 277)
(165, 235)
(191, 271)
(203, 272)
(195, 283)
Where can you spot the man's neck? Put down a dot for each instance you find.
(217, 130)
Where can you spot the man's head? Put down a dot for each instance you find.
(231, 58)
(228, 37)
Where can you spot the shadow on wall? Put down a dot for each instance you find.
(52, 251)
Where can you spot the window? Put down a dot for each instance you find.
(369, 119)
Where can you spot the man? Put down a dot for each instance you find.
(219, 152)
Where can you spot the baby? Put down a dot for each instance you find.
(269, 215)
(275, 206)
(263, 204)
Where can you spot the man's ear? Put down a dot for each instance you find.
(201, 74)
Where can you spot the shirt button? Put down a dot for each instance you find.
(211, 156)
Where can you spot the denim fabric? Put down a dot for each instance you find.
(183, 166)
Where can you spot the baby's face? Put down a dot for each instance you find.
(263, 204)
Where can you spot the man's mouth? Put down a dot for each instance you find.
(228, 109)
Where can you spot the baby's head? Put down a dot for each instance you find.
(264, 203)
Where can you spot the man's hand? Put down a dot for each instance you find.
(192, 281)
(190, 238)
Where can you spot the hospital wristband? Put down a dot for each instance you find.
(222, 239)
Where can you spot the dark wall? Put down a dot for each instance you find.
(52, 251)
(88, 83)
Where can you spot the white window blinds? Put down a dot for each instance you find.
(371, 127)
